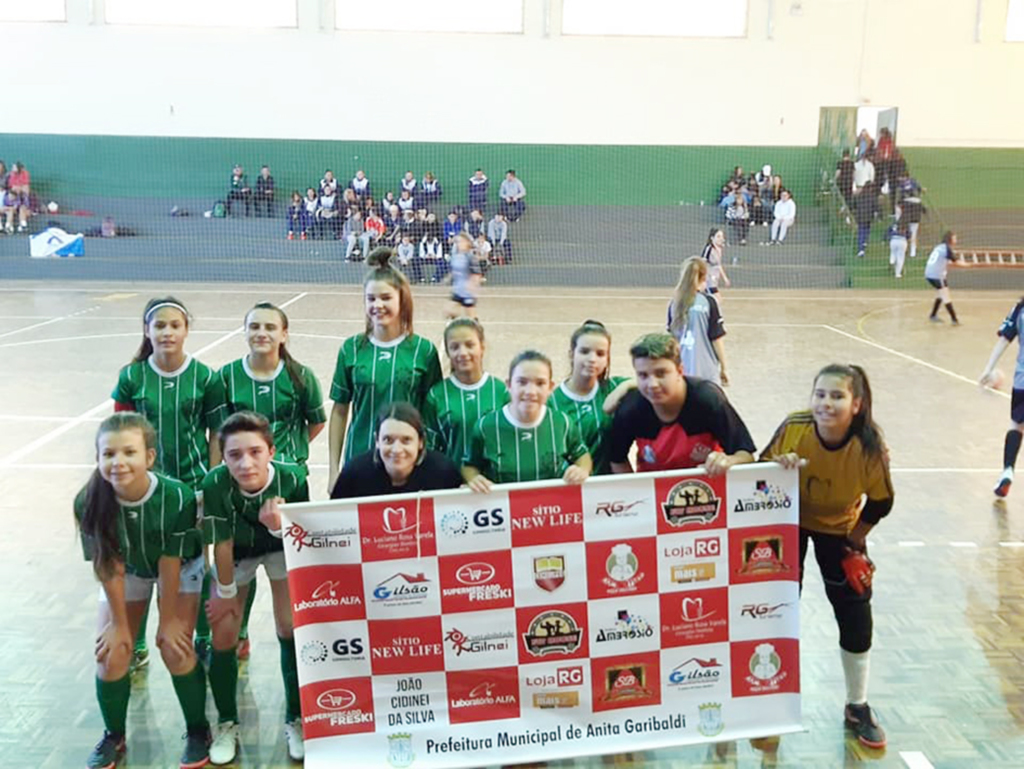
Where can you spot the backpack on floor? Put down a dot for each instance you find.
(220, 209)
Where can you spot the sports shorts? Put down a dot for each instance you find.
(937, 284)
(245, 568)
(141, 588)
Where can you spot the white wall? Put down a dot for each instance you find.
(919, 55)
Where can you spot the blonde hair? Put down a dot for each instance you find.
(694, 271)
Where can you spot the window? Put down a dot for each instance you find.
(672, 18)
(33, 10)
(495, 16)
(1015, 21)
(203, 13)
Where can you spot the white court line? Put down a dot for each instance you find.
(963, 544)
(47, 322)
(55, 433)
(54, 340)
(1011, 544)
(911, 358)
(915, 759)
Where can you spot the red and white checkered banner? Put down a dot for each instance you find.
(546, 621)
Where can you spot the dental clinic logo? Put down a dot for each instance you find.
(397, 520)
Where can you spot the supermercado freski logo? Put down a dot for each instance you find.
(400, 529)
(337, 707)
(546, 516)
(326, 594)
(476, 581)
(554, 632)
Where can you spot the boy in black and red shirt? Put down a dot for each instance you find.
(676, 422)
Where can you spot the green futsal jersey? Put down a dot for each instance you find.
(452, 409)
(162, 523)
(507, 451)
(230, 513)
(275, 396)
(587, 412)
(371, 374)
(182, 405)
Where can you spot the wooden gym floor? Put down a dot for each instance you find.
(949, 630)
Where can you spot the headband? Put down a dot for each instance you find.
(158, 305)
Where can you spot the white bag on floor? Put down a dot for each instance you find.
(53, 241)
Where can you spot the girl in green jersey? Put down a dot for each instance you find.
(454, 405)
(582, 395)
(269, 381)
(384, 364)
(525, 440)
(139, 529)
(181, 397)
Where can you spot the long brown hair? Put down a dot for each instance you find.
(99, 518)
(146, 348)
(693, 272)
(292, 366)
(863, 425)
(382, 270)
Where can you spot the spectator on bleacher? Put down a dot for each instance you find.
(408, 184)
(784, 216)
(4, 173)
(19, 183)
(408, 260)
(864, 203)
(910, 211)
(763, 181)
(452, 227)
(375, 228)
(265, 192)
(349, 201)
(737, 216)
(844, 176)
(738, 177)
(367, 203)
(865, 144)
(430, 190)
(328, 215)
(312, 204)
(10, 204)
(298, 220)
(863, 174)
(482, 248)
(411, 226)
(475, 224)
(388, 201)
(355, 234)
(392, 227)
(882, 159)
(360, 185)
(406, 202)
(512, 192)
(431, 247)
(239, 190)
(760, 211)
(328, 182)
(478, 183)
(497, 233)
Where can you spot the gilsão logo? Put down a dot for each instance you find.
(696, 673)
(402, 590)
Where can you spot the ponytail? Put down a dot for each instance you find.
(101, 510)
(863, 425)
(694, 271)
(146, 348)
(591, 326)
(292, 366)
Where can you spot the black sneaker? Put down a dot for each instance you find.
(197, 748)
(862, 721)
(107, 752)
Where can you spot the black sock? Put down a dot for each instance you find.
(951, 311)
(1011, 447)
(935, 308)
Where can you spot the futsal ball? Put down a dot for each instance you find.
(52, 207)
(996, 379)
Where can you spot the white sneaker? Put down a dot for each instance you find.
(22, 227)
(293, 736)
(1005, 481)
(225, 743)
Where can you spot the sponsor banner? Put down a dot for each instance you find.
(641, 612)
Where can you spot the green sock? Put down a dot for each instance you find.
(113, 699)
(224, 683)
(191, 691)
(203, 624)
(140, 637)
(244, 632)
(290, 674)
